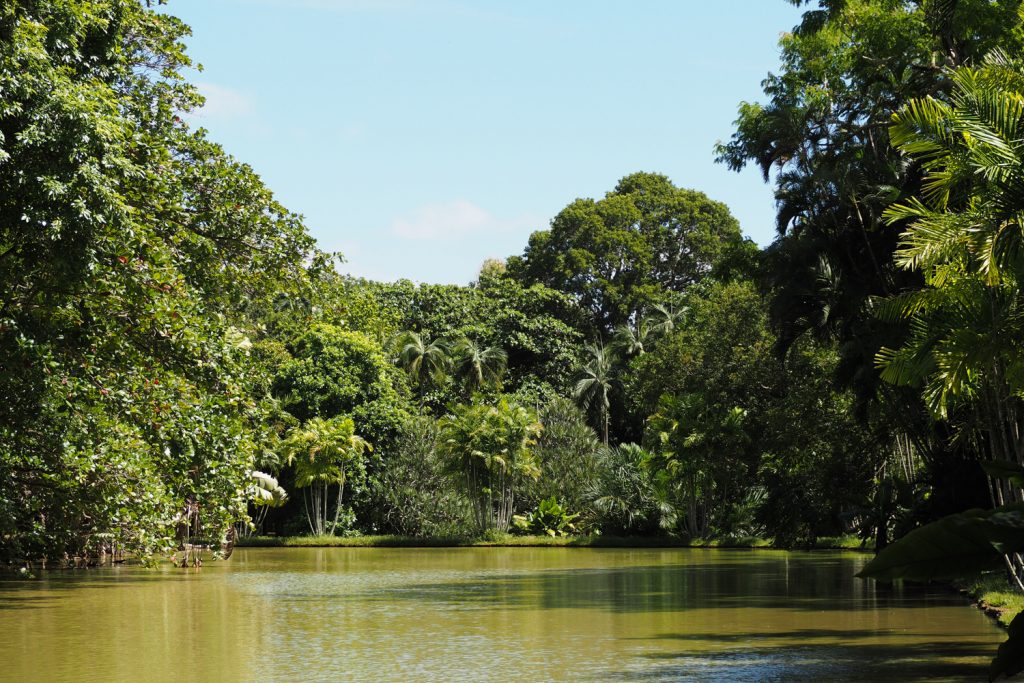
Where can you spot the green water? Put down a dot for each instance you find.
(489, 614)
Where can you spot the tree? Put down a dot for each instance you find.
(325, 453)
(701, 459)
(489, 450)
(539, 328)
(822, 136)
(798, 464)
(623, 499)
(595, 386)
(567, 453)
(265, 493)
(335, 372)
(425, 362)
(413, 495)
(965, 233)
(476, 368)
(630, 340)
(127, 241)
(619, 254)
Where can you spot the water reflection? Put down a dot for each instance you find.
(490, 614)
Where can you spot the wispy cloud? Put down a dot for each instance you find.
(224, 103)
(411, 7)
(347, 5)
(451, 220)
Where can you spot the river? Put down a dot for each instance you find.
(490, 614)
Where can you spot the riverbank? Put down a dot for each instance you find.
(385, 541)
(994, 595)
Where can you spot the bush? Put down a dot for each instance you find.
(412, 495)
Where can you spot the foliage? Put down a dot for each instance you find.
(845, 69)
(623, 499)
(475, 368)
(128, 245)
(593, 389)
(325, 453)
(489, 450)
(412, 495)
(699, 458)
(777, 470)
(539, 329)
(964, 232)
(618, 255)
(425, 362)
(549, 518)
(965, 235)
(265, 490)
(335, 372)
(822, 137)
(567, 456)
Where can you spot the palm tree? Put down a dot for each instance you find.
(964, 233)
(324, 453)
(490, 451)
(424, 361)
(596, 384)
(631, 340)
(476, 368)
(663, 319)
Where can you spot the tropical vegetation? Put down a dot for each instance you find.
(180, 364)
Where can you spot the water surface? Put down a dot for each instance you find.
(490, 614)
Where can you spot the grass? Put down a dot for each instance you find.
(847, 542)
(507, 540)
(996, 596)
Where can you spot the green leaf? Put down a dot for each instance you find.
(1009, 659)
(958, 545)
(1005, 469)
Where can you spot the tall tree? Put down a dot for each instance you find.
(593, 389)
(325, 453)
(966, 234)
(619, 254)
(822, 137)
(127, 242)
(489, 450)
(823, 133)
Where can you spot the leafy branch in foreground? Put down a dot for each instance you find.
(965, 233)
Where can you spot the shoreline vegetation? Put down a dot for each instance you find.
(180, 360)
(542, 541)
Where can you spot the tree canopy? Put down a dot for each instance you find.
(129, 244)
(617, 255)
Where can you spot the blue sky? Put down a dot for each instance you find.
(420, 137)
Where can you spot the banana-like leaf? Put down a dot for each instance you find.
(263, 480)
(261, 495)
(955, 546)
(1005, 469)
(266, 491)
(1009, 660)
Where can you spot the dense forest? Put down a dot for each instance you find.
(180, 363)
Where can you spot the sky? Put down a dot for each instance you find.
(421, 137)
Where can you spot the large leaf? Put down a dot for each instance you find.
(1005, 469)
(955, 546)
(1009, 660)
